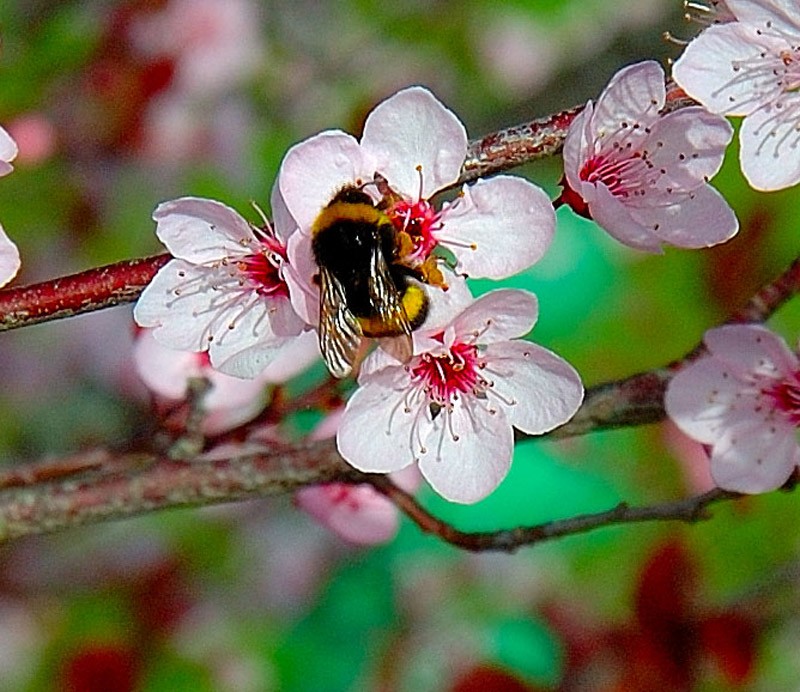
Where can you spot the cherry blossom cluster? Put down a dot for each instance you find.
(249, 295)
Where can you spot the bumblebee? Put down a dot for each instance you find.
(364, 289)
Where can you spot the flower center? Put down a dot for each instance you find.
(419, 220)
(443, 376)
(264, 268)
(785, 396)
(622, 177)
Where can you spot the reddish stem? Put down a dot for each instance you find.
(76, 294)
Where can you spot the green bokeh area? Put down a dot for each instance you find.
(257, 596)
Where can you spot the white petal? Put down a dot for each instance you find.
(468, 456)
(502, 314)
(701, 219)
(294, 357)
(701, 399)
(164, 370)
(784, 15)
(298, 274)
(545, 389)
(578, 146)
(282, 221)
(445, 305)
(611, 214)
(414, 129)
(506, 222)
(201, 230)
(706, 71)
(253, 336)
(314, 170)
(375, 434)
(753, 458)
(9, 258)
(8, 152)
(634, 95)
(769, 139)
(750, 349)
(688, 146)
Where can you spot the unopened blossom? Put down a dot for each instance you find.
(229, 401)
(226, 291)
(451, 408)
(751, 67)
(743, 401)
(642, 174)
(412, 147)
(9, 255)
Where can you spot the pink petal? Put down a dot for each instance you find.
(783, 15)
(201, 230)
(700, 399)
(8, 152)
(635, 94)
(314, 170)
(701, 219)
(689, 146)
(282, 221)
(502, 314)
(545, 389)
(357, 513)
(375, 434)
(414, 129)
(467, 457)
(9, 258)
(298, 274)
(506, 223)
(750, 349)
(706, 71)
(768, 155)
(754, 458)
(578, 146)
(164, 370)
(612, 215)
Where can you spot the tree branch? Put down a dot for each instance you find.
(689, 510)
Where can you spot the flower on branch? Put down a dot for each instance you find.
(643, 174)
(226, 292)
(9, 255)
(743, 400)
(451, 408)
(412, 147)
(751, 67)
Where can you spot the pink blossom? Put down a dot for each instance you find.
(230, 401)
(226, 291)
(743, 400)
(642, 174)
(452, 407)
(412, 147)
(751, 67)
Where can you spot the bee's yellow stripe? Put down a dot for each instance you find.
(415, 303)
(350, 212)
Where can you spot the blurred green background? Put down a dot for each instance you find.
(118, 105)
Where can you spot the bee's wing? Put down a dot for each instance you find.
(339, 329)
(388, 304)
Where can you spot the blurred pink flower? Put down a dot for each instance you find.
(751, 67)
(35, 135)
(742, 399)
(226, 292)
(643, 175)
(452, 407)
(214, 44)
(230, 401)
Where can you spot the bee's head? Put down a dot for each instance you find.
(352, 194)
